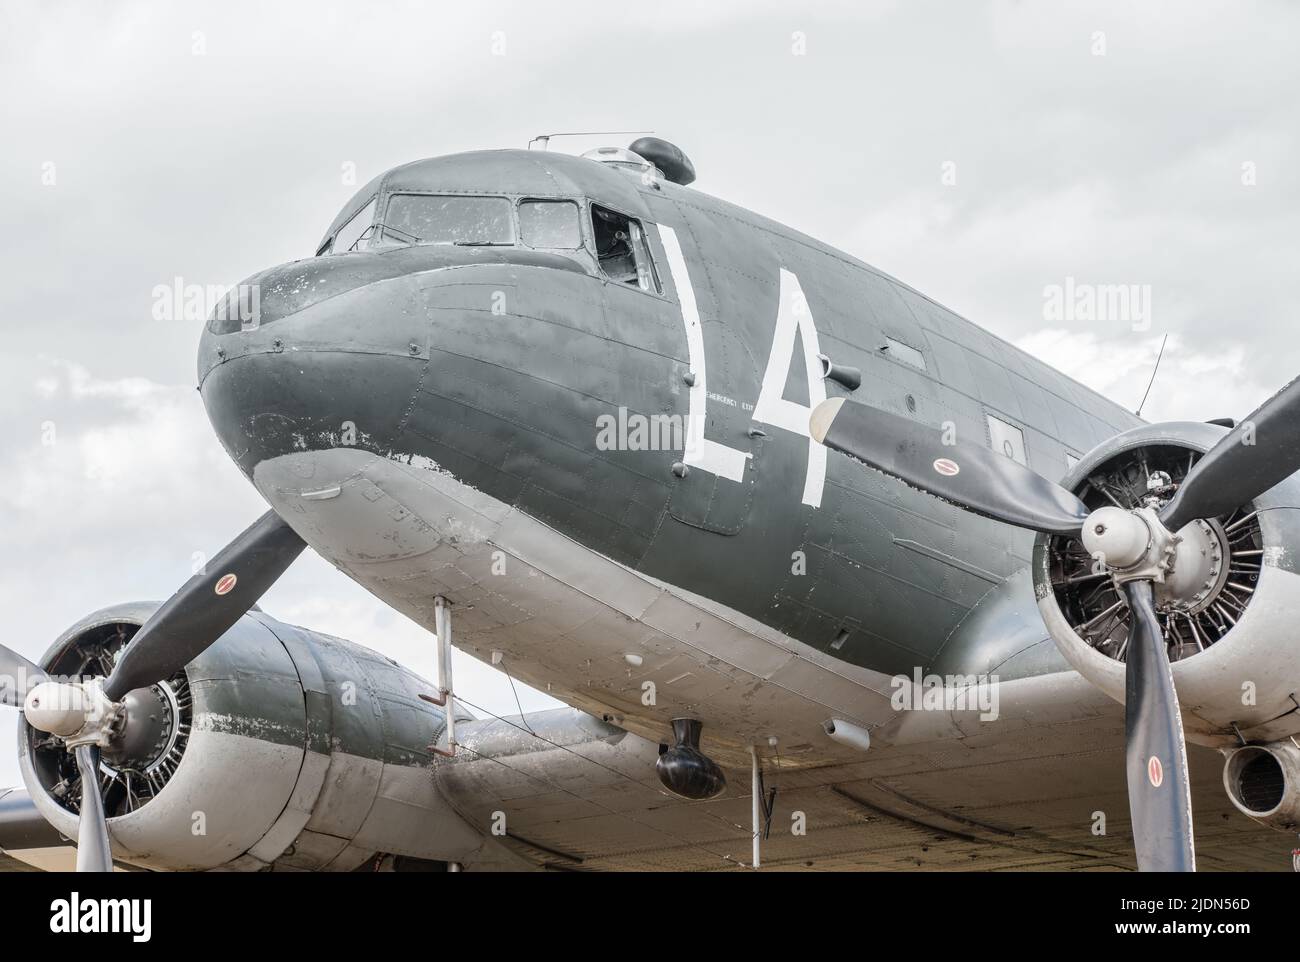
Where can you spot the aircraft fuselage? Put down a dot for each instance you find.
(533, 383)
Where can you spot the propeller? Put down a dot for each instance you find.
(93, 851)
(1138, 547)
(90, 715)
(1153, 726)
(1240, 468)
(969, 475)
(206, 605)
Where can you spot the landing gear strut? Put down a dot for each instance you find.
(444, 699)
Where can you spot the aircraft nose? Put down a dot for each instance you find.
(332, 358)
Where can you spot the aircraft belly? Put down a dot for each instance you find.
(564, 615)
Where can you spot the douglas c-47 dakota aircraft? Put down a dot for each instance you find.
(829, 576)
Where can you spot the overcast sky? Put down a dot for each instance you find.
(982, 152)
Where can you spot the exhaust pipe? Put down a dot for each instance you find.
(1263, 781)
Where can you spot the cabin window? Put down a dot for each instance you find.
(1007, 439)
(622, 250)
(903, 352)
(550, 224)
(438, 219)
(347, 235)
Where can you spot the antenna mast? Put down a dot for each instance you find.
(1138, 412)
(546, 138)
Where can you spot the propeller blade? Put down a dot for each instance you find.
(17, 675)
(1159, 791)
(206, 605)
(1255, 455)
(93, 852)
(969, 475)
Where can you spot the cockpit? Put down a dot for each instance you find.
(387, 215)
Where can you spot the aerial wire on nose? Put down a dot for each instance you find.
(1138, 412)
(546, 138)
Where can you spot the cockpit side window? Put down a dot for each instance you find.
(550, 224)
(347, 235)
(441, 219)
(622, 250)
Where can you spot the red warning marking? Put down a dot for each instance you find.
(1155, 772)
(225, 584)
(946, 466)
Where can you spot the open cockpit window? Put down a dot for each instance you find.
(346, 237)
(622, 251)
(550, 224)
(441, 219)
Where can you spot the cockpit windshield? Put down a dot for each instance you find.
(441, 219)
(350, 232)
(556, 224)
(550, 224)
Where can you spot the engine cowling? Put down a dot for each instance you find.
(1229, 617)
(277, 746)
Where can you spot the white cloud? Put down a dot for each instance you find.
(1189, 385)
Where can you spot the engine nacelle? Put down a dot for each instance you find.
(1233, 642)
(276, 746)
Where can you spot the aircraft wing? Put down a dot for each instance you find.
(563, 790)
(572, 793)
